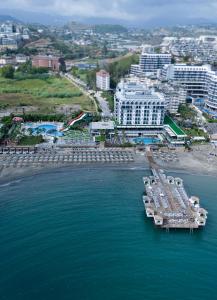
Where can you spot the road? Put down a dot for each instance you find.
(103, 105)
(81, 86)
(106, 113)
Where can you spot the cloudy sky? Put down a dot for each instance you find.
(133, 11)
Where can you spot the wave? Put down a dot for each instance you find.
(10, 183)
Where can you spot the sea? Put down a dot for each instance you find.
(82, 234)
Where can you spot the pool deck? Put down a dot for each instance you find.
(59, 125)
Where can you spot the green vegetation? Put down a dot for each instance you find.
(88, 76)
(29, 69)
(81, 134)
(108, 28)
(196, 132)
(7, 72)
(116, 69)
(121, 68)
(44, 118)
(31, 140)
(81, 74)
(79, 125)
(186, 59)
(100, 138)
(109, 96)
(209, 118)
(9, 130)
(186, 112)
(4, 130)
(45, 95)
(21, 50)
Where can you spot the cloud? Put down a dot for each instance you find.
(128, 10)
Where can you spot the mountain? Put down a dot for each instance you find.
(58, 20)
(4, 18)
(36, 17)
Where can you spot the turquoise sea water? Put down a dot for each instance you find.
(82, 234)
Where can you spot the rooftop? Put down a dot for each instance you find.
(102, 125)
(102, 73)
(174, 127)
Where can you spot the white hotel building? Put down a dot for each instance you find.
(103, 80)
(192, 77)
(150, 63)
(138, 107)
(211, 100)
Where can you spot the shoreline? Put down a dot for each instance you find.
(14, 173)
(201, 162)
(11, 174)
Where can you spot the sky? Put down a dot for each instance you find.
(131, 11)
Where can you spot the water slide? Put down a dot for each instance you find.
(73, 121)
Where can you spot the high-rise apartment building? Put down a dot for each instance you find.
(103, 80)
(192, 77)
(151, 62)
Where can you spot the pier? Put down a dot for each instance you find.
(167, 202)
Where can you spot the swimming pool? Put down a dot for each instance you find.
(48, 129)
(146, 140)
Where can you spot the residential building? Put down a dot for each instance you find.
(174, 93)
(12, 35)
(103, 80)
(20, 58)
(44, 61)
(136, 70)
(174, 96)
(136, 106)
(7, 60)
(151, 62)
(211, 100)
(8, 43)
(192, 77)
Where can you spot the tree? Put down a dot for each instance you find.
(25, 67)
(104, 50)
(7, 71)
(173, 60)
(62, 65)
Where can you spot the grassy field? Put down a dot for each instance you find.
(45, 95)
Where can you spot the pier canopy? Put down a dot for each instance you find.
(167, 202)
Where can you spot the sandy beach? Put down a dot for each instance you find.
(201, 161)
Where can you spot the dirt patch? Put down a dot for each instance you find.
(68, 109)
(17, 110)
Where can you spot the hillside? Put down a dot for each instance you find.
(4, 18)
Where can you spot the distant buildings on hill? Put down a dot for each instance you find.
(45, 61)
(179, 80)
(13, 59)
(12, 35)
